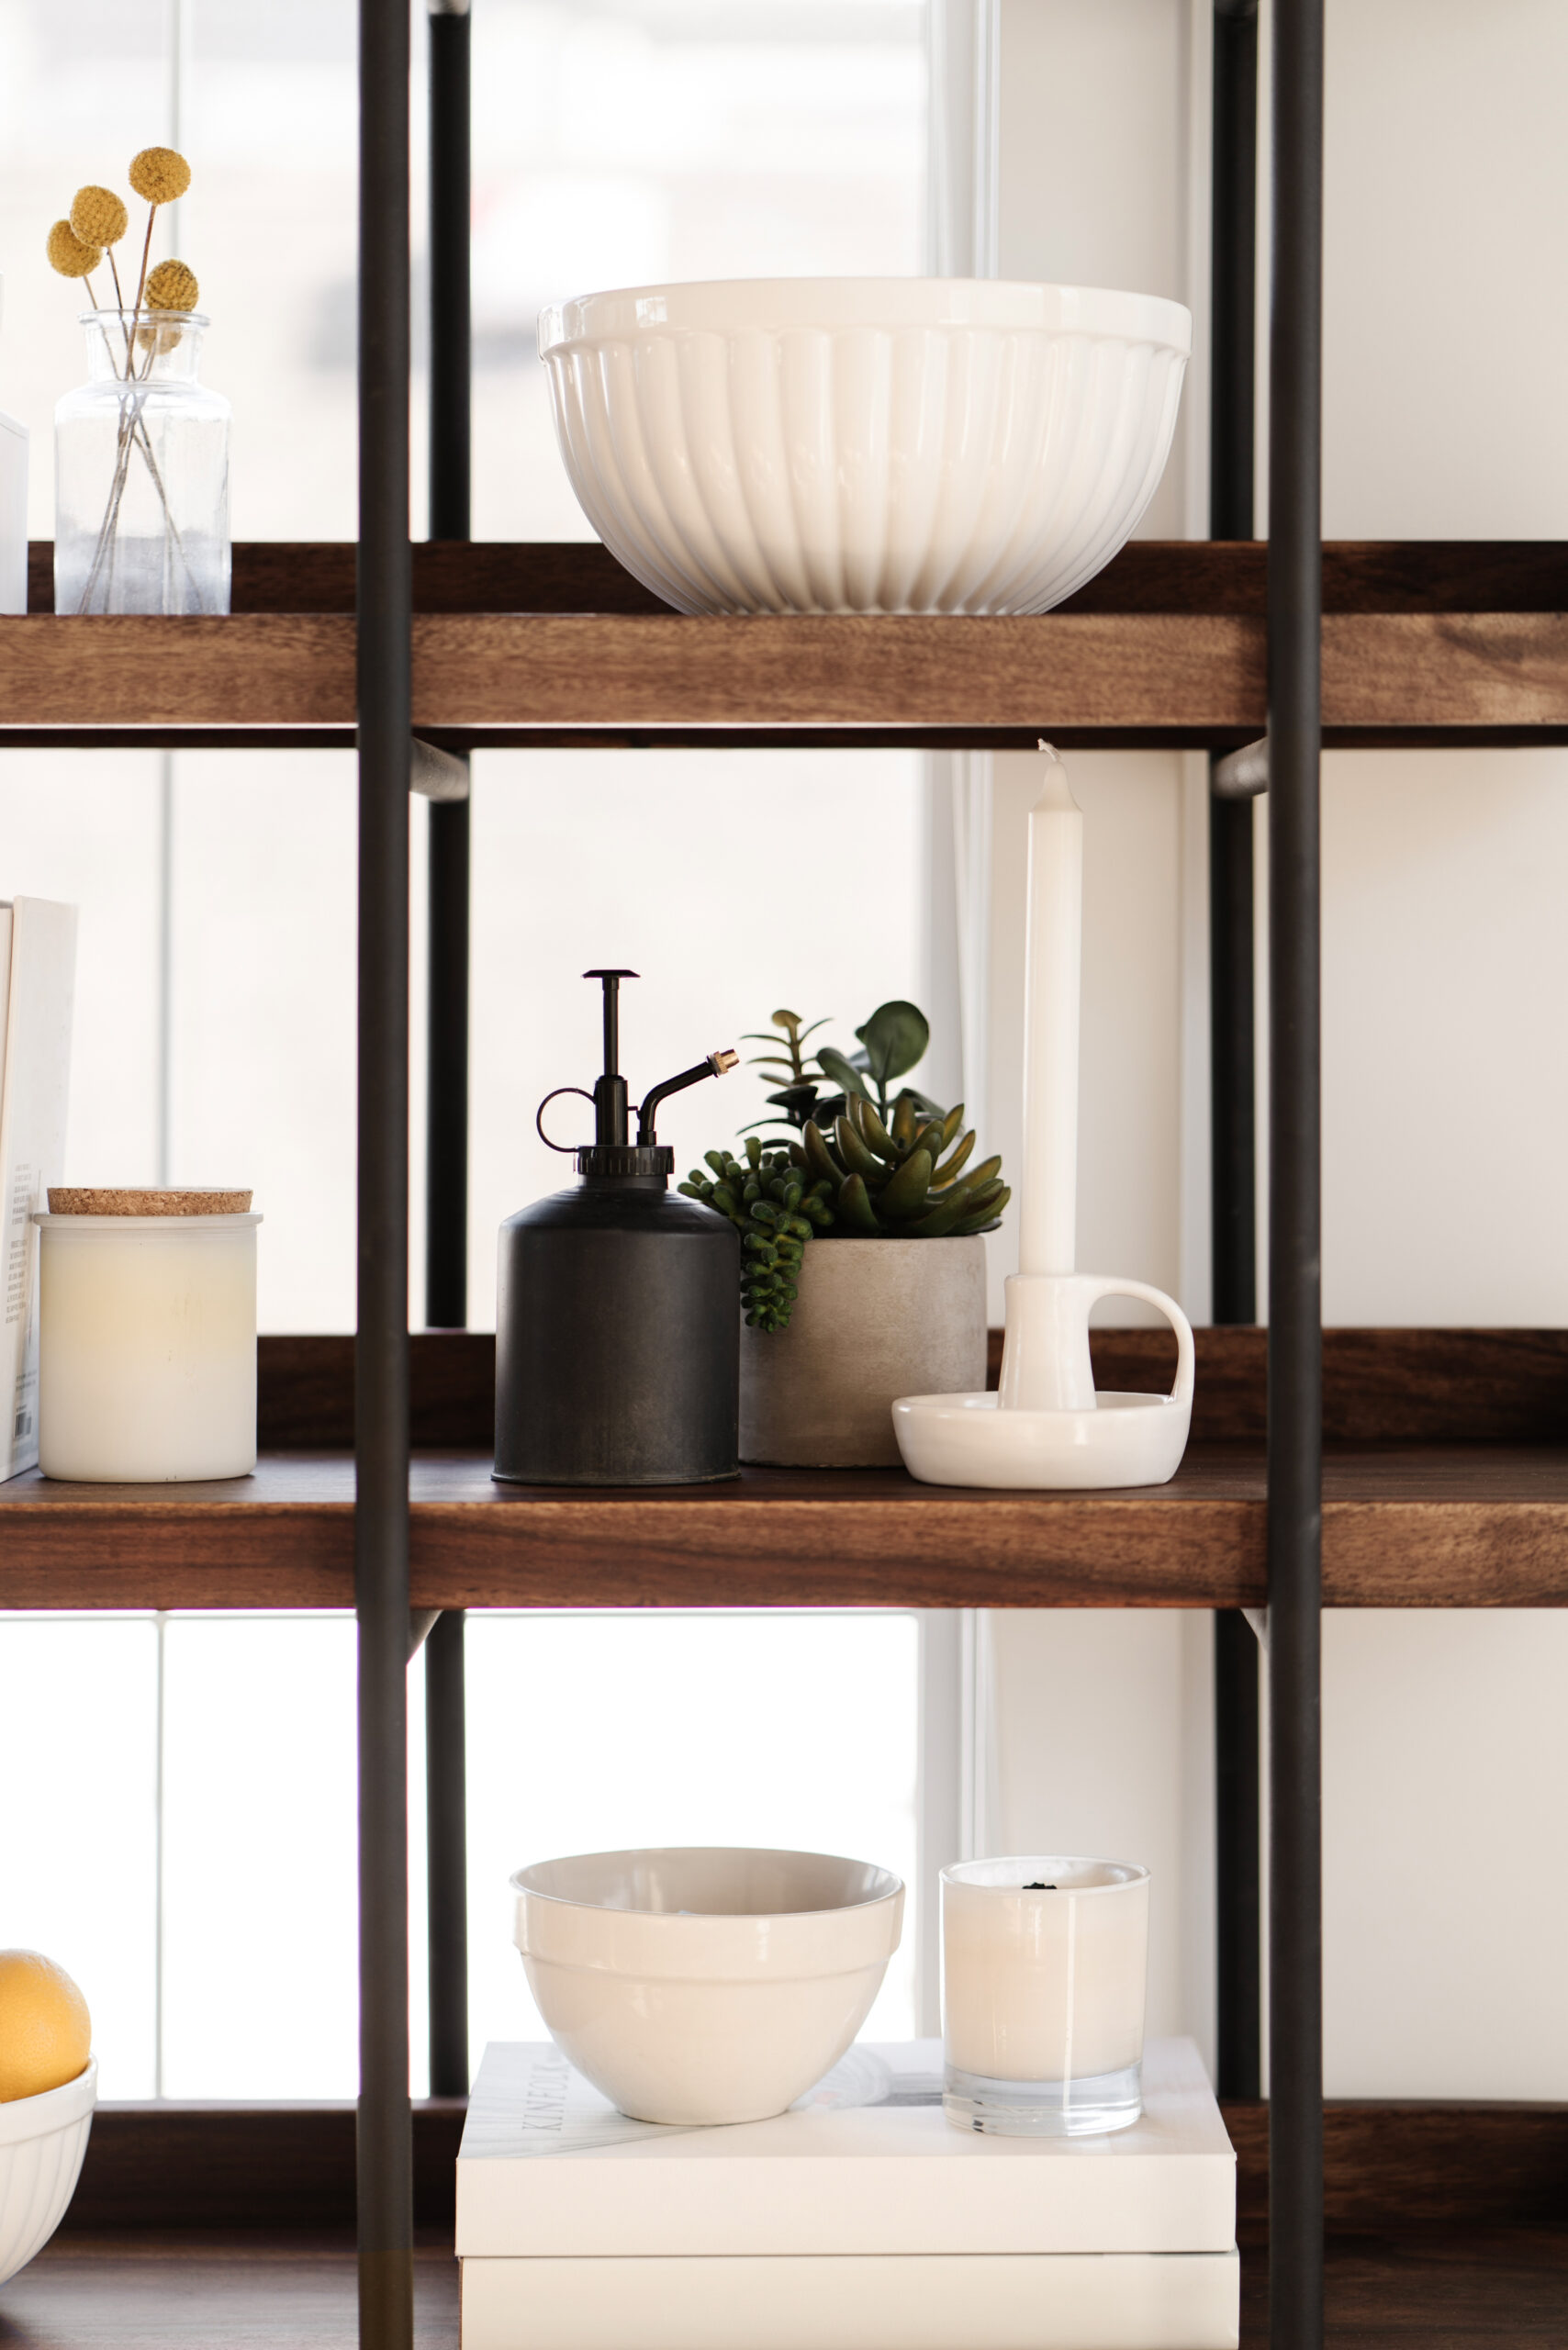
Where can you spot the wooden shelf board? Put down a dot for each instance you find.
(1484, 1527)
(248, 2290)
(1449, 2289)
(1167, 647)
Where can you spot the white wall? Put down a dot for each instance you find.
(1445, 961)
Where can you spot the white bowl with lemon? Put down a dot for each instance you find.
(49, 2085)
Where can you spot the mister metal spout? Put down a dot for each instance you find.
(716, 1065)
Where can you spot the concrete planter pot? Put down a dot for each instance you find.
(875, 1319)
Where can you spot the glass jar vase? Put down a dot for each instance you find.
(142, 471)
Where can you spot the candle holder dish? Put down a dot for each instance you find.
(42, 2142)
(705, 1984)
(865, 444)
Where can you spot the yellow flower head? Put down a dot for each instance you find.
(68, 255)
(160, 175)
(161, 339)
(98, 217)
(171, 287)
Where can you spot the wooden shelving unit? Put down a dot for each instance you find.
(1445, 1482)
(555, 644)
(1417, 1513)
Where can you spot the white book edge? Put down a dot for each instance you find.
(549, 2168)
(937, 2302)
(34, 1089)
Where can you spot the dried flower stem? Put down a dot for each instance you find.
(142, 281)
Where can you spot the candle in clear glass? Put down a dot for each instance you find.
(1044, 1966)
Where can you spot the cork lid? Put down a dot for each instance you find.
(101, 1201)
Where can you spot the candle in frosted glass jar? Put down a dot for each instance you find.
(1044, 1970)
(147, 1335)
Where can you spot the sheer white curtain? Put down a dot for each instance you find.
(957, 1661)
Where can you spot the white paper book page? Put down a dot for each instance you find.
(33, 1089)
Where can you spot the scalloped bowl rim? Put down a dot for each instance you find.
(23, 2119)
(829, 304)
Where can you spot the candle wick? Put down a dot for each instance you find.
(1037, 1888)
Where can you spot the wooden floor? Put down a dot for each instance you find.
(1502, 2288)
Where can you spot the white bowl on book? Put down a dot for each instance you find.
(705, 1982)
(865, 444)
(42, 2142)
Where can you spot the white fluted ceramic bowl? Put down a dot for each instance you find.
(705, 1982)
(865, 444)
(42, 2141)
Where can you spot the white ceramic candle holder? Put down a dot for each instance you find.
(1048, 1426)
(1045, 1962)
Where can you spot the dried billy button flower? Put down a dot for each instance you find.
(171, 287)
(98, 217)
(68, 255)
(160, 175)
(165, 338)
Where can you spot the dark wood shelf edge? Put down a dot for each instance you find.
(1386, 2165)
(1148, 576)
(1381, 1387)
(773, 738)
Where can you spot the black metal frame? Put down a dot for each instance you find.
(381, 1348)
(385, 2209)
(446, 1054)
(1295, 1344)
(1232, 1089)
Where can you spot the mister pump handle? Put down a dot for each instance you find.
(609, 1092)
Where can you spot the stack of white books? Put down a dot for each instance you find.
(860, 2220)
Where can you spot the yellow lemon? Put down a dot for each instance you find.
(45, 2033)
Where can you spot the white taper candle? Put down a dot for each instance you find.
(1048, 1213)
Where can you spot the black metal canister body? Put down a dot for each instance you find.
(618, 1334)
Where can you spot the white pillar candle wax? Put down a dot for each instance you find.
(1044, 1963)
(147, 1339)
(1048, 1211)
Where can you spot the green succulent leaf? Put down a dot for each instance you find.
(895, 1038)
(854, 1208)
(904, 1192)
(986, 1219)
(936, 1224)
(819, 1158)
(949, 1168)
(842, 1072)
(874, 1134)
(856, 1158)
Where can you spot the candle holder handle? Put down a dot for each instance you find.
(1045, 1357)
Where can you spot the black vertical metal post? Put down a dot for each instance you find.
(1232, 346)
(381, 1351)
(1295, 1408)
(446, 1136)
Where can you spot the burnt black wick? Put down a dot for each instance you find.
(1037, 1888)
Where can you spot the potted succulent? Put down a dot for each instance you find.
(894, 1305)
